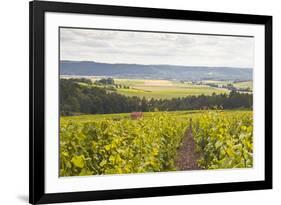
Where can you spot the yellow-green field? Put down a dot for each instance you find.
(164, 89)
(104, 144)
(244, 84)
(168, 89)
(183, 115)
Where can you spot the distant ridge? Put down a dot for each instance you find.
(172, 72)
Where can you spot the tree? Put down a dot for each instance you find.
(144, 105)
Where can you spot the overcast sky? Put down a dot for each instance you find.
(156, 48)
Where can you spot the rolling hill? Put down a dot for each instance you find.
(168, 72)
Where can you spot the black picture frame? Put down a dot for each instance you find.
(37, 11)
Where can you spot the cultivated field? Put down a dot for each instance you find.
(168, 89)
(183, 115)
(116, 144)
(164, 89)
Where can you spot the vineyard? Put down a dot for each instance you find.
(224, 140)
(96, 146)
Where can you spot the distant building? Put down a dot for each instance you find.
(136, 115)
(204, 108)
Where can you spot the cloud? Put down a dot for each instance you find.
(155, 48)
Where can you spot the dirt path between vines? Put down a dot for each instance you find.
(187, 156)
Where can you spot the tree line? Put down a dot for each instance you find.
(75, 98)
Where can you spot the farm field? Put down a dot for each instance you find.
(159, 89)
(164, 89)
(246, 84)
(243, 84)
(116, 144)
(184, 115)
(168, 89)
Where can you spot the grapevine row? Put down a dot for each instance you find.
(120, 146)
(224, 140)
(108, 146)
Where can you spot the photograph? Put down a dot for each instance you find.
(134, 102)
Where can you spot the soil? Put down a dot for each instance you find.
(187, 156)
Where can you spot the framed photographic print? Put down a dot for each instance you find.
(140, 102)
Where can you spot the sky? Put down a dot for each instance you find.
(132, 47)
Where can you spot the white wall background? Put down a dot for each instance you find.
(14, 100)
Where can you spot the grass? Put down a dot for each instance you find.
(86, 118)
(168, 89)
(183, 115)
(164, 89)
(218, 82)
(246, 84)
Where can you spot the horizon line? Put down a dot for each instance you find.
(207, 66)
